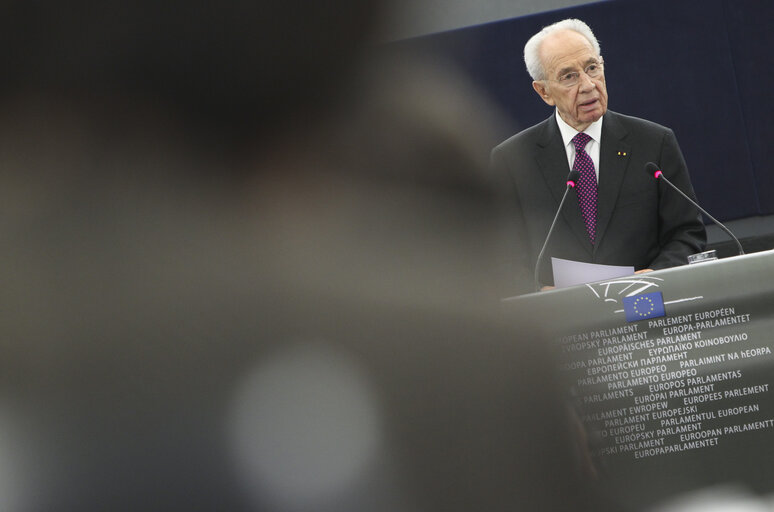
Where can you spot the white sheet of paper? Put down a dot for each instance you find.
(569, 272)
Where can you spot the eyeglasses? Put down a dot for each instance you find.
(571, 79)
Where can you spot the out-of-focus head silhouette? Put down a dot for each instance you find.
(320, 333)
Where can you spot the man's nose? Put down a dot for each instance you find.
(586, 83)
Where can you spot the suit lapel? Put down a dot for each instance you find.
(613, 162)
(552, 160)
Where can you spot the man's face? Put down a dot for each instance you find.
(580, 104)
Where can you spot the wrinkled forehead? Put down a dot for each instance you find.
(566, 49)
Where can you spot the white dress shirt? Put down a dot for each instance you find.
(592, 148)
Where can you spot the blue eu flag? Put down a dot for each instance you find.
(640, 307)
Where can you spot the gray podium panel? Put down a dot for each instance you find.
(674, 400)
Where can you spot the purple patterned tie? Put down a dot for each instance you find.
(587, 184)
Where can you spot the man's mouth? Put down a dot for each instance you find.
(589, 105)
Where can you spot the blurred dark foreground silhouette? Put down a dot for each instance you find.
(245, 268)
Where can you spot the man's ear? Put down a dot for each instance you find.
(542, 90)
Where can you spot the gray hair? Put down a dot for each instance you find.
(532, 48)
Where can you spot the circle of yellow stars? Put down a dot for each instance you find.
(636, 304)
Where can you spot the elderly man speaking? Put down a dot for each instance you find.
(617, 214)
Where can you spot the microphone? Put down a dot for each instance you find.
(572, 179)
(652, 168)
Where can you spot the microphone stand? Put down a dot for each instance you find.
(571, 179)
(660, 175)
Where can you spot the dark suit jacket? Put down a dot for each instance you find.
(640, 220)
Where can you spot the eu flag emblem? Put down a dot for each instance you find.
(640, 307)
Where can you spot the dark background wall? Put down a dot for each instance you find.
(700, 67)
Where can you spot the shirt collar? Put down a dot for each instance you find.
(568, 132)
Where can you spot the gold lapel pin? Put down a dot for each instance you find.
(622, 153)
